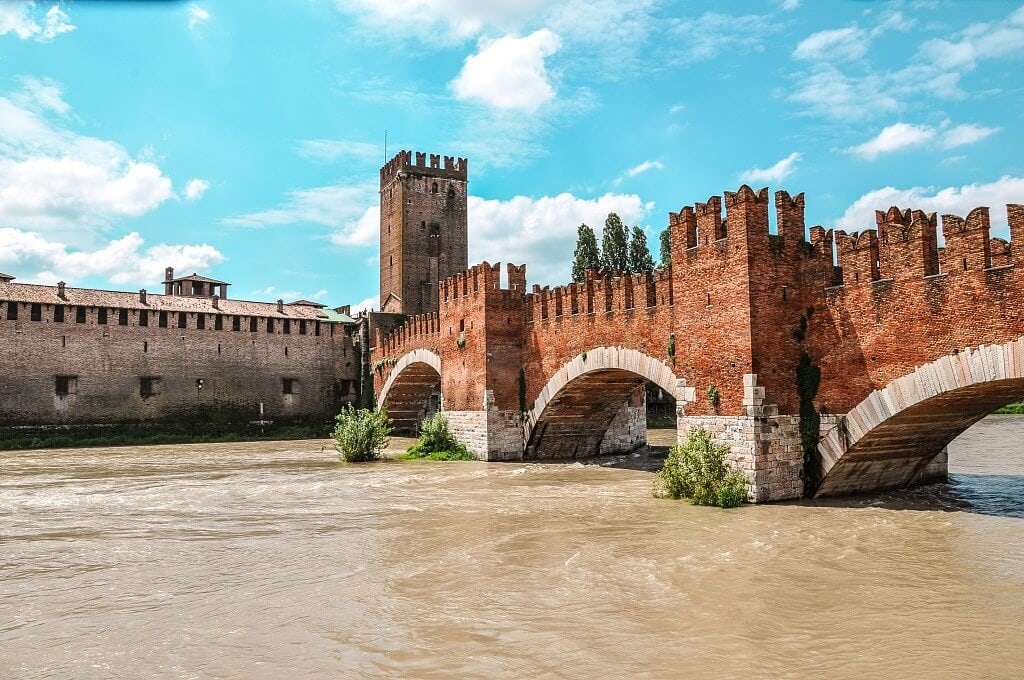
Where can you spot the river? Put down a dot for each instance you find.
(273, 560)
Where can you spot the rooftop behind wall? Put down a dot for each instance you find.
(434, 165)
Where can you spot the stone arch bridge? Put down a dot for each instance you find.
(828, 362)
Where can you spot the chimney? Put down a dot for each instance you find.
(169, 274)
(280, 306)
(216, 302)
(142, 296)
(60, 289)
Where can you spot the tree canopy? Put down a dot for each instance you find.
(666, 247)
(587, 254)
(640, 259)
(614, 244)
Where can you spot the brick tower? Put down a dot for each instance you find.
(423, 232)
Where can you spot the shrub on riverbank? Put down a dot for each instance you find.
(1012, 409)
(361, 434)
(697, 470)
(436, 442)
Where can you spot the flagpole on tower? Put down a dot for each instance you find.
(385, 145)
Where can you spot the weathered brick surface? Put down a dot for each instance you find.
(240, 369)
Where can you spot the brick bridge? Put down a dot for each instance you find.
(913, 344)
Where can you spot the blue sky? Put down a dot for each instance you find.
(243, 140)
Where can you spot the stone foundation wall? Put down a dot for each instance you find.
(936, 472)
(766, 449)
(489, 435)
(627, 432)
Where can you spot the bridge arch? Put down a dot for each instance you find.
(573, 412)
(412, 389)
(888, 439)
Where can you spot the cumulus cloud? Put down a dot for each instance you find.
(122, 261)
(20, 20)
(772, 175)
(330, 150)
(329, 206)
(978, 42)
(197, 17)
(363, 230)
(509, 73)
(839, 43)
(904, 136)
(638, 169)
(367, 305)
(950, 200)
(789, 5)
(542, 231)
(53, 178)
(195, 189)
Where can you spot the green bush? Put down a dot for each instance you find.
(361, 434)
(437, 442)
(697, 470)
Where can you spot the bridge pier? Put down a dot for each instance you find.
(490, 434)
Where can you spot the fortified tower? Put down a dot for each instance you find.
(423, 232)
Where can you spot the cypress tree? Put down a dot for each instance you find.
(614, 245)
(640, 259)
(666, 248)
(587, 255)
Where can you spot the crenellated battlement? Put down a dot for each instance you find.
(420, 330)
(602, 292)
(419, 163)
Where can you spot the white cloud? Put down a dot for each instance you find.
(677, 108)
(197, 16)
(838, 44)
(789, 5)
(195, 189)
(712, 33)
(369, 304)
(774, 174)
(361, 231)
(121, 261)
(894, 138)
(327, 205)
(509, 73)
(542, 231)
(53, 178)
(950, 200)
(272, 294)
(966, 134)
(19, 18)
(904, 136)
(639, 170)
(330, 150)
(979, 42)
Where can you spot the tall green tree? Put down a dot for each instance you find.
(666, 248)
(587, 255)
(614, 244)
(640, 259)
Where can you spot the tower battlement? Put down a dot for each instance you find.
(420, 163)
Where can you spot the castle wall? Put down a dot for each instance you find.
(106, 364)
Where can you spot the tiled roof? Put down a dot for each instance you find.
(307, 303)
(336, 317)
(197, 277)
(6, 277)
(47, 295)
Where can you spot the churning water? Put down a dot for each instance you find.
(273, 560)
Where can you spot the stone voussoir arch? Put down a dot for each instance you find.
(603, 359)
(975, 373)
(416, 356)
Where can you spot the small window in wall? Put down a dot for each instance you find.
(149, 386)
(317, 328)
(12, 311)
(58, 313)
(287, 327)
(423, 225)
(270, 325)
(289, 386)
(236, 323)
(65, 385)
(80, 314)
(143, 317)
(101, 316)
(433, 188)
(252, 324)
(302, 327)
(122, 317)
(182, 319)
(218, 323)
(201, 321)
(163, 319)
(345, 388)
(36, 313)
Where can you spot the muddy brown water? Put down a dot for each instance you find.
(273, 560)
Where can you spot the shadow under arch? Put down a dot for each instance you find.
(574, 410)
(412, 390)
(888, 439)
